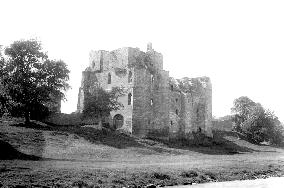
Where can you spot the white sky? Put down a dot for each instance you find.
(238, 44)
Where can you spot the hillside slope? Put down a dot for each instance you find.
(106, 158)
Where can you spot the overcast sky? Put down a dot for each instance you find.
(238, 44)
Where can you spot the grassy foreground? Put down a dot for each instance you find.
(14, 175)
(84, 157)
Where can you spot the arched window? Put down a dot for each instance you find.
(129, 98)
(129, 77)
(109, 78)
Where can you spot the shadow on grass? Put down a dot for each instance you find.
(8, 152)
(34, 125)
(218, 145)
(104, 136)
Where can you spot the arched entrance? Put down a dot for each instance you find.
(118, 121)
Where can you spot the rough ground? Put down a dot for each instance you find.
(83, 156)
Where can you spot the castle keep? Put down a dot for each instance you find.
(154, 102)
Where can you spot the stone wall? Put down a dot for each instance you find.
(162, 105)
(175, 108)
(142, 112)
(191, 106)
(108, 70)
(151, 97)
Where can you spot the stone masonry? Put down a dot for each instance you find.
(154, 104)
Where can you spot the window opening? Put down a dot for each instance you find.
(129, 77)
(129, 98)
(109, 78)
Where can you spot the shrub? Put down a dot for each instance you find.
(257, 123)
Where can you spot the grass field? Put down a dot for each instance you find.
(98, 158)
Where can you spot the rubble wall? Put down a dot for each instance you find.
(159, 104)
(114, 66)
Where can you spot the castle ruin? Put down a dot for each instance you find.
(155, 103)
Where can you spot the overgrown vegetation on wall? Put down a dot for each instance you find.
(98, 103)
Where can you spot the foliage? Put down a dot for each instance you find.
(3, 93)
(31, 79)
(242, 107)
(143, 60)
(257, 123)
(99, 102)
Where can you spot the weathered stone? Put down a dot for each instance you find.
(154, 102)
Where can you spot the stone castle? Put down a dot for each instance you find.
(154, 103)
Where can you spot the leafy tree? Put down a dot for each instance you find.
(257, 123)
(98, 103)
(31, 79)
(241, 109)
(2, 91)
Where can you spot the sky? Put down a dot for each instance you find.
(238, 44)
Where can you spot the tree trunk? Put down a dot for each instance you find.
(27, 117)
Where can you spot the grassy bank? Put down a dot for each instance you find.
(76, 156)
(12, 176)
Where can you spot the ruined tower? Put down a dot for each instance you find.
(154, 102)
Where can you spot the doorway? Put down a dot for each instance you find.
(118, 121)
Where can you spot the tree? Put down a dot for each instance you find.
(2, 90)
(241, 109)
(31, 79)
(257, 123)
(98, 103)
